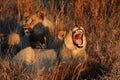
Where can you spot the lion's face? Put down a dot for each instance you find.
(77, 36)
(74, 45)
(32, 20)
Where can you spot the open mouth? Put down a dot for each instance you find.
(78, 38)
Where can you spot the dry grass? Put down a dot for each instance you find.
(101, 20)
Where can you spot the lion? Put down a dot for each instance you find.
(72, 49)
(36, 18)
(22, 56)
(74, 44)
(42, 59)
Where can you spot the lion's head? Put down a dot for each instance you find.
(74, 44)
(74, 38)
(32, 20)
(36, 18)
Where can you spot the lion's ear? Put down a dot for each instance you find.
(61, 35)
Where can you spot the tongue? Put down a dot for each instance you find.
(78, 41)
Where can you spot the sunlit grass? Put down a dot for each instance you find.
(101, 21)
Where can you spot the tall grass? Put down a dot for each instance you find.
(101, 20)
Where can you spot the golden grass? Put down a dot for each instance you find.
(101, 20)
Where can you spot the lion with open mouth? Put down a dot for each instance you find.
(72, 49)
(78, 37)
(74, 45)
